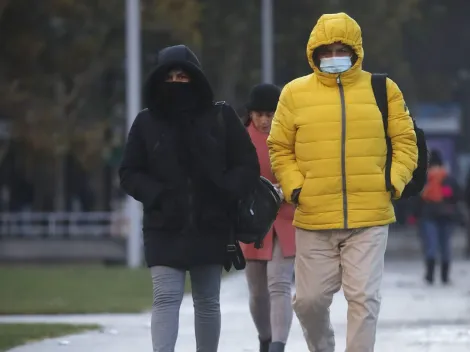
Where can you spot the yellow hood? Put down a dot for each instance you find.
(332, 28)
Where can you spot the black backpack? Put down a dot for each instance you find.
(415, 186)
(254, 215)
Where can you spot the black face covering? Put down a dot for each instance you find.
(177, 96)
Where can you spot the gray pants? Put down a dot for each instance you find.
(269, 283)
(168, 291)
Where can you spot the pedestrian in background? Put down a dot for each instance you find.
(439, 216)
(269, 270)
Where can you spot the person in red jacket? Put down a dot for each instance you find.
(439, 216)
(269, 270)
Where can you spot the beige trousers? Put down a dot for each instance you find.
(325, 260)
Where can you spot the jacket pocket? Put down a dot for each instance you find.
(303, 189)
(168, 215)
(153, 220)
(214, 218)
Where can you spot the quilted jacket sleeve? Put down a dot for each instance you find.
(244, 169)
(281, 143)
(133, 173)
(403, 137)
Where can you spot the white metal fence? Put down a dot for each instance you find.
(63, 224)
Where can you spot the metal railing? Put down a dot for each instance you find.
(63, 224)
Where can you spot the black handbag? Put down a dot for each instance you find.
(254, 217)
(257, 212)
(254, 214)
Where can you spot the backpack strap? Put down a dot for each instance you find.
(235, 255)
(379, 86)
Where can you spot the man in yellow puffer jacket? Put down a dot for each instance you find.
(328, 151)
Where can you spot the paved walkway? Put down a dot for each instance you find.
(414, 318)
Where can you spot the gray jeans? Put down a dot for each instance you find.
(269, 283)
(168, 291)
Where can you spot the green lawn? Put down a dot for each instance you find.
(12, 335)
(74, 289)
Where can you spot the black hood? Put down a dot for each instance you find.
(172, 57)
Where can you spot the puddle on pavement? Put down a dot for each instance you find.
(445, 335)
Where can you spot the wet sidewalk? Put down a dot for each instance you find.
(414, 318)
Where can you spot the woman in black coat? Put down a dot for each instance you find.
(187, 160)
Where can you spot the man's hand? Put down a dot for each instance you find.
(295, 196)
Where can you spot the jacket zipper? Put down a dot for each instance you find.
(343, 151)
(190, 202)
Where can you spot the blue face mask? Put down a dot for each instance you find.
(337, 64)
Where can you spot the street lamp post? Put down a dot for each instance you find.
(267, 41)
(133, 72)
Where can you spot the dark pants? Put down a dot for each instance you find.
(436, 236)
